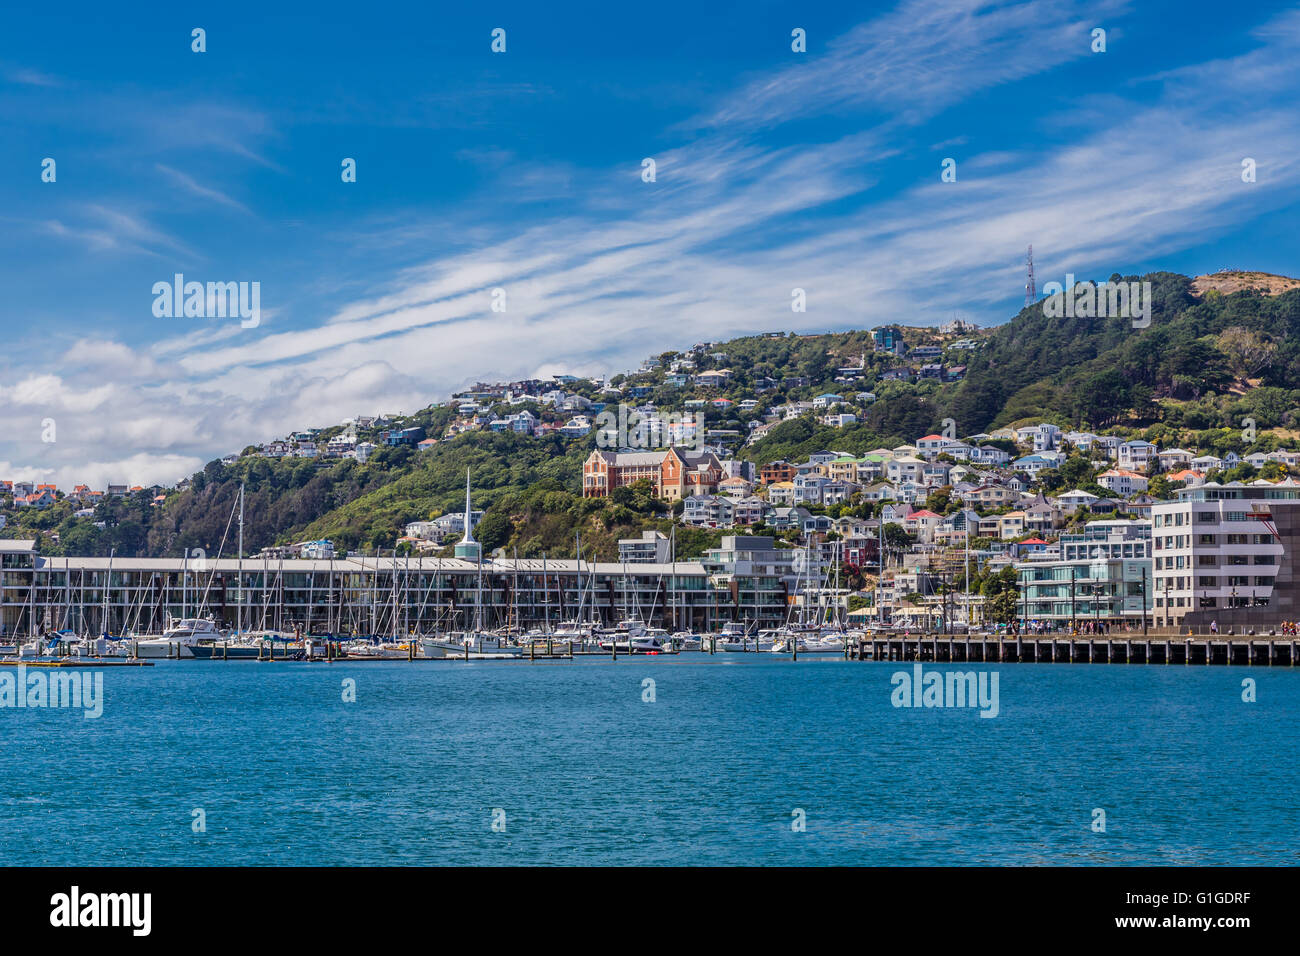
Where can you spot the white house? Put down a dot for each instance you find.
(1122, 481)
(1072, 501)
(1136, 455)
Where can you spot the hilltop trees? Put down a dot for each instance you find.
(1105, 371)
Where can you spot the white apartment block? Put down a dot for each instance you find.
(1210, 550)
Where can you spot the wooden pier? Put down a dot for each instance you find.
(1048, 649)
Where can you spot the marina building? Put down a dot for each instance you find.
(744, 579)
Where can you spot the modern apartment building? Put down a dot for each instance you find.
(1108, 539)
(1217, 558)
(1103, 575)
(757, 577)
(652, 547)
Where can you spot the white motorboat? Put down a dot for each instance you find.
(686, 641)
(810, 643)
(177, 639)
(647, 644)
(764, 640)
(636, 637)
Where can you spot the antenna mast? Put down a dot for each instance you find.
(1031, 289)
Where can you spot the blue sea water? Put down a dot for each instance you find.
(713, 771)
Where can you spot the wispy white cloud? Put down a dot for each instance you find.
(188, 183)
(922, 57)
(102, 228)
(714, 247)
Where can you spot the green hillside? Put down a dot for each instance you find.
(1207, 362)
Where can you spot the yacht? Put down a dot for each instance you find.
(476, 645)
(686, 641)
(636, 637)
(184, 634)
(103, 646)
(382, 650)
(739, 640)
(253, 645)
(809, 643)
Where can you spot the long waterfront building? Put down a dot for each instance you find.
(746, 579)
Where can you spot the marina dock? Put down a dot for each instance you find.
(1046, 649)
(95, 662)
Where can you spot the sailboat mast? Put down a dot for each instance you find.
(966, 522)
(239, 611)
(672, 572)
(107, 584)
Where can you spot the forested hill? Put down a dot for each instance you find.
(1100, 371)
(1210, 358)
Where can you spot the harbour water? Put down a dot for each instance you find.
(713, 771)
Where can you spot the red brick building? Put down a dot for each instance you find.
(672, 474)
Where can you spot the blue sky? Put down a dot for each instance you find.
(522, 171)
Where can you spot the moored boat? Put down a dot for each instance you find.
(475, 645)
(177, 640)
